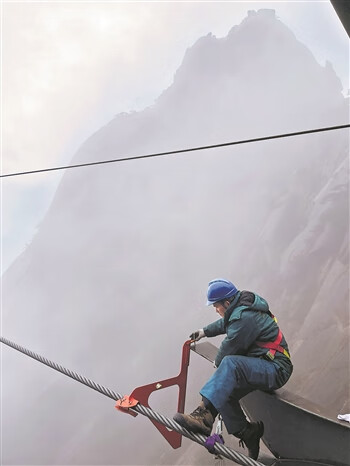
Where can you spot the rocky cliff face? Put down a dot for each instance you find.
(115, 278)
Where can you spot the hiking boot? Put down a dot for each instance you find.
(200, 421)
(250, 437)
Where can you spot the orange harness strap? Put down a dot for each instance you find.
(273, 346)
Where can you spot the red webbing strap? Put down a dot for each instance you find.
(273, 346)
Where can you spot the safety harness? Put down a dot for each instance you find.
(244, 300)
(275, 345)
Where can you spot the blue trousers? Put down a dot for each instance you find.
(236, 377)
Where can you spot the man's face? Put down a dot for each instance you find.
(221, 307)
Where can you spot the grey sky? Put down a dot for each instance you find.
(66, 71)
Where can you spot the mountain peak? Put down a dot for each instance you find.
(257, 63)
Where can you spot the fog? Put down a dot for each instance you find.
(69, 67)
(115, 278)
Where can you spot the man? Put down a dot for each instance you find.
(254, 355)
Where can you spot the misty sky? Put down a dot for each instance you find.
(69, 67)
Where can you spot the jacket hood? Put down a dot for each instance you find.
(260, 304)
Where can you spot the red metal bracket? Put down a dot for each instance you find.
(141, 394)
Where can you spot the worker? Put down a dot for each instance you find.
(253, 356)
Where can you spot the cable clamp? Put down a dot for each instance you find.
(125, 403)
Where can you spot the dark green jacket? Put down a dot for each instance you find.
(247, 320)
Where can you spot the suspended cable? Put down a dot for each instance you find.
(179, 151)
(145, 411)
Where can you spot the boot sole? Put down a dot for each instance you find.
(193, 427)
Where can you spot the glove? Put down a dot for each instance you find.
(196, 336)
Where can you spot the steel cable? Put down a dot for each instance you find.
(145, 411)
(179, 151)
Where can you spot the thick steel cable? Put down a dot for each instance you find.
(148, 412)
(179, 151)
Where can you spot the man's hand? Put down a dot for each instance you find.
(196, 336)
